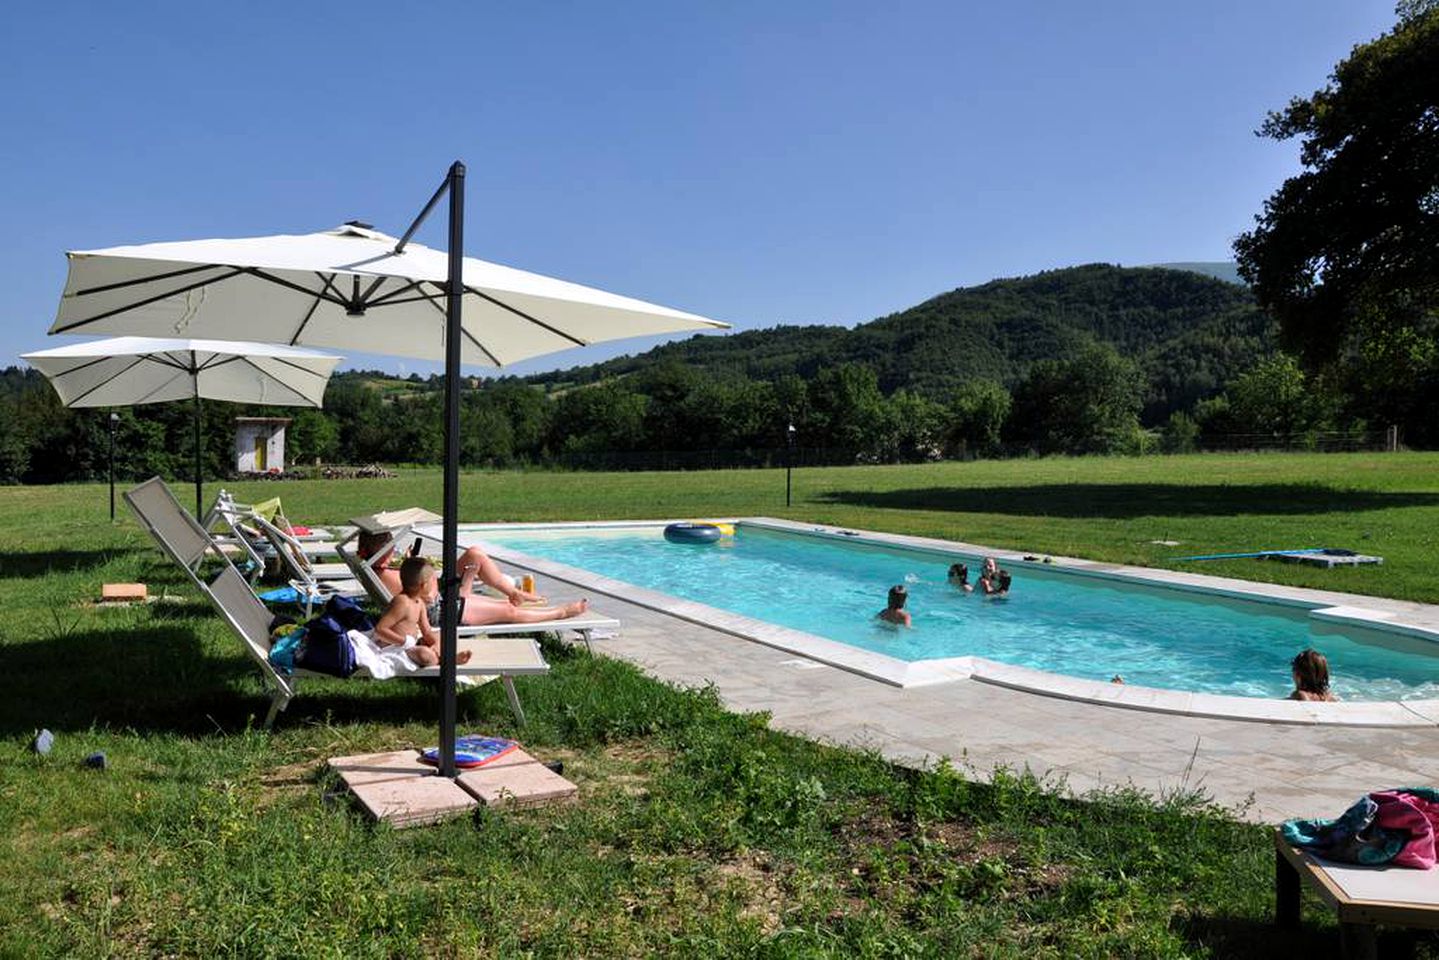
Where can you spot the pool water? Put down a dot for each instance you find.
(1062, 623)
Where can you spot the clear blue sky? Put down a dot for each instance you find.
(756, 162)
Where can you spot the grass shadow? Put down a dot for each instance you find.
(157, 676)
(1123, 501)
(25, 566)
(1221, 936)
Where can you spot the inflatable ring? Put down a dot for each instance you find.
(692, 533)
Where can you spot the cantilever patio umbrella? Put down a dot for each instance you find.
(358, 289)
(128, 371)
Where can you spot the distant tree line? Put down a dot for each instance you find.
(1090, 403)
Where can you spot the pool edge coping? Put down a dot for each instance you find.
(1320, 605)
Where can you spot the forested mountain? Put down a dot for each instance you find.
(1189, 333)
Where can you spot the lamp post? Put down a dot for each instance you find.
(114, 419)
(788, 460)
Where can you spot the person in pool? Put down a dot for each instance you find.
(1311, 676)
(959, 577)
(995, 583)
(895, 613)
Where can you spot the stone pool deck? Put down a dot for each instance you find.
(1264, 771)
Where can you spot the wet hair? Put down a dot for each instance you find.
(1004, 580)
(415, 572)
(897, 596)
(960, 572)
(1311, 671)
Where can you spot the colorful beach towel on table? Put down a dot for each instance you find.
(1384, 828)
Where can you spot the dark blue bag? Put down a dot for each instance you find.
(326, 646)
(348, 613)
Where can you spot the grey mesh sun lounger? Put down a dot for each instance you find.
(182, 539)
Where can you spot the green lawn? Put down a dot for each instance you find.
(698, 832)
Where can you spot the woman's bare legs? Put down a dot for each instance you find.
(482, 610)
(475, 562)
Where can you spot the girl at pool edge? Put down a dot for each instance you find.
(895, 613)
(1311, 676)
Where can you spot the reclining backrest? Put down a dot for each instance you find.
(361, 566)
(243, 611)
(178, 533)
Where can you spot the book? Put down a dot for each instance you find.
(472, 751)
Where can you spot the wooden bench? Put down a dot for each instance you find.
(1362, 897)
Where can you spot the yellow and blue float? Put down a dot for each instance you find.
(690, 532)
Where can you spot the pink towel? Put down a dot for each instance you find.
(1418, 816)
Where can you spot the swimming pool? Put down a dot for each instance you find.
(1054, 620)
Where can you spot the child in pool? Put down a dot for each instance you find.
(895, 613)
(995, 584)
(959, 577)
(1311, 676)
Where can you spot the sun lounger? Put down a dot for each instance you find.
(186, 542)
(1361, 897)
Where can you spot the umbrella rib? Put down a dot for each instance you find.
(265, 373)
(320, 298)
(147, 301)
(467, 335)
(81, 366)
(150, 279)
(262, 275)
(520, 313)
(386, 299)
(303, 369)
(138, 361)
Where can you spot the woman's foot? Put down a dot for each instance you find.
(462, 656)
(574, 609)
(518, 597)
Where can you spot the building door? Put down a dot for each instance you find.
(260, 453)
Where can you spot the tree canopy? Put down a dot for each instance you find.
(1346, 253)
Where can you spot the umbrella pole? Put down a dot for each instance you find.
(198, 479)
(449, 636)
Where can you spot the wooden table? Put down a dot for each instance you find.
(1362, 897)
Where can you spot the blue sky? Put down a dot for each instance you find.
(756, 162)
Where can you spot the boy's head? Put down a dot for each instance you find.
(1004, 581)
(415, 575)
(897, 596)
(959, 572)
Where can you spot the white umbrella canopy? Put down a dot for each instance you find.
(345, 288)
(126, 371)
(129, 371)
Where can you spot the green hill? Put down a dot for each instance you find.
(1189, 332)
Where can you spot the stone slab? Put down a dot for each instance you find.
(516, 780)
(378, 767)
(412, 801)
(121, 592)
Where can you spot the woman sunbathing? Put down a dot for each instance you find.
(473, 563)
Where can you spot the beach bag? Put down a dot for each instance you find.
(327, 646)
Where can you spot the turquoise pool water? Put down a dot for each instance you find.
(1051, 621)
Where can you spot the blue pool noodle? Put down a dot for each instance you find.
(1258, 553)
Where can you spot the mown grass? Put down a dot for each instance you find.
(698, 831)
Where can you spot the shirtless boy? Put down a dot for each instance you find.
(407, 621)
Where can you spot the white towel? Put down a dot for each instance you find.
(380, 661)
